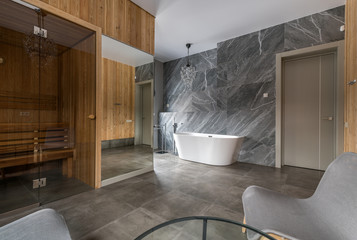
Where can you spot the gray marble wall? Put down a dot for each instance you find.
(158, 97)
(144, 72)
(227, 94)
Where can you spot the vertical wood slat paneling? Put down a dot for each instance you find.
(23, 82)
(140, 27)
(120, 19)
(350, 75)
(118, 88)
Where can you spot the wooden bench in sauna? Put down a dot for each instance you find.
(20, 144)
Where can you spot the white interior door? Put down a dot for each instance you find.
(309, 111)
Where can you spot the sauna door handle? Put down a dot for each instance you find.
(91, 117)
(352, 82)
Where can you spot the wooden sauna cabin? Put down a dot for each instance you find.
(47, 97)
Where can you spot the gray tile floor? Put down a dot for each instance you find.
(121, 160)
(17, 191)
(177, 188)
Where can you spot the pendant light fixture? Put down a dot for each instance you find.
(37, 44)
(188, 72)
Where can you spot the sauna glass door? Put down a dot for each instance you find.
(47, 108)
(67, 119)
(19, 107)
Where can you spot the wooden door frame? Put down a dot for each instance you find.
(339, 48)
(139, 85)
(98, 33)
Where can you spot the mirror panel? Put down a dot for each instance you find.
(128, 100)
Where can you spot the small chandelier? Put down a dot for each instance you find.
(36, 43)
(188, 72)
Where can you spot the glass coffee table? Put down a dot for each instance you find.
(203, 228)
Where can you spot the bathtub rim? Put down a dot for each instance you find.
(191, 134)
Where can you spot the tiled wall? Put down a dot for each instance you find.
(227, 94)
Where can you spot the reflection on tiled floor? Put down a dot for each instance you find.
(176, 189)
(17, 192)
(121, 160)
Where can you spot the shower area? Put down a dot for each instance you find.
(47, 107)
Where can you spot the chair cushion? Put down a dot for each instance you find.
(41, 225)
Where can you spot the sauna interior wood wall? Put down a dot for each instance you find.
(350, 75)
(120, 19)
(118, 100)
(20, 91)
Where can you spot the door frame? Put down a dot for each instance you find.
(96, 174)
(138, 106)
(339, 48)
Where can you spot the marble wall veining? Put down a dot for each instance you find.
(144, 72)
(315, 29)
(227, 93)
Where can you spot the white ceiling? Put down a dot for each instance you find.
(123, 53)
(207, 22)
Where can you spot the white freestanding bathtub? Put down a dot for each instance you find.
(212, 149)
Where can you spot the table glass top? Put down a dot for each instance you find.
(203, 228)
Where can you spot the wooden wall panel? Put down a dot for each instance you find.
(140, 27)
(350, 75)
(120, 19)
(114, 15)
(118, 100)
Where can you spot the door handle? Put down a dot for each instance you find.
(91, 117)
(352, 82)
(327, 118)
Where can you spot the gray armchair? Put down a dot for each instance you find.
(42, 225)
(331, 213)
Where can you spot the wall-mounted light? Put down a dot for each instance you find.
(2, 60)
